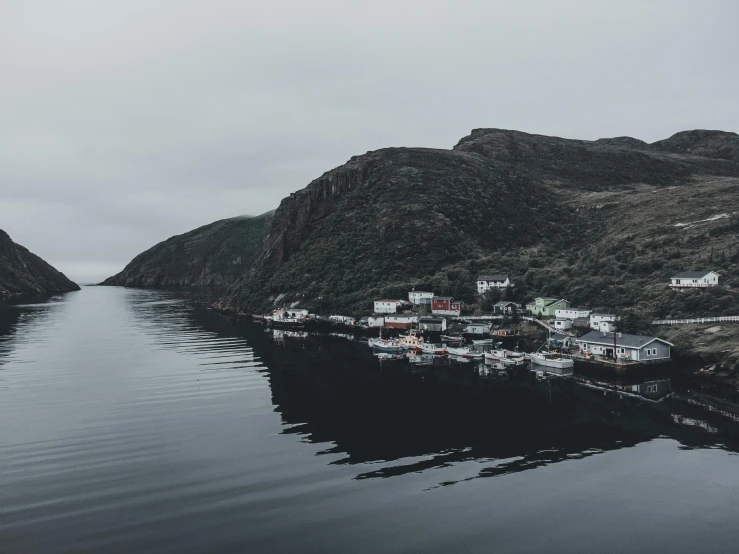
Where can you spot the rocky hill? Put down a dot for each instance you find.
(212, 255)
(602, 222)
(22, 272)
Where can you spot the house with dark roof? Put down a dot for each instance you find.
(637, 348)
(487, 282)
(694, 279)
(505, 307)
(545, 306)
(436, 324)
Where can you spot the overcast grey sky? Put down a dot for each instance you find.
(123, 122)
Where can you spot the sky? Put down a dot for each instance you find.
(124, 122)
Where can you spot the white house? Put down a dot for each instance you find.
(487, 282)
(505, 307)
(571, 313)
(375, 321)
(386, 306)
(628, 347)
(605, 326)
(418, 297)
(478, 328)
(689, 279)
(563, 324)
(597, 318)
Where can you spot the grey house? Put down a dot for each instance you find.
(637, 348)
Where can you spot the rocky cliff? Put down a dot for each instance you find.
(22, 272)
(212, 255)
(596, 220)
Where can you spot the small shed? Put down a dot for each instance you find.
(478, 329)
(432, 324)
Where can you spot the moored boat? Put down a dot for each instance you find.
(464, 353)
(412, 341)
(435, 349)
(390, 346)
(482, 342)
(508, 357)
(554, 362)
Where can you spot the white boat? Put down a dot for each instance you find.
(508, 357)
(553, 361)
(464, 353)
(482, 342)
(434, 349)
(390, 346)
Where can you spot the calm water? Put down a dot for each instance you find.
(139, 421)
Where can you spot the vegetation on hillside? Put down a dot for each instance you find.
(213, 255)
(22, 272)
(602, 223)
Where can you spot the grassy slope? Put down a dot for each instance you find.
(592, 221)
(213, 255)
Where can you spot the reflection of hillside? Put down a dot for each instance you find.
(330, 390)
(18, 316)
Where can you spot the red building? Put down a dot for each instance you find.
(445, 305)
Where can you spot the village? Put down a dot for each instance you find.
(443, 326)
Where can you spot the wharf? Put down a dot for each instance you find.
(618, 365)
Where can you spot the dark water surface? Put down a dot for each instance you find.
(139, 421)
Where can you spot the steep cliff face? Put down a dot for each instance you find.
(22, 272)
(212, 255)
(399, 217)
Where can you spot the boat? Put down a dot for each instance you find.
(447, 338)
(390, 346)
(464, 353)
(435, 349)
(412, 341)
(554, 361)
(507, 357)
(482, 342)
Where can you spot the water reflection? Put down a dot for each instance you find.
(142, 421)
(431, 412)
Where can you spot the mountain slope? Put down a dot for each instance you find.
(499, 201)
(22, 272)
(212, 255)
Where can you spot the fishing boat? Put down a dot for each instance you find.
(389, 346)
(508, 357)
(435, 349)
(465, 353)
(412, 341)
(447, 338)
(482, 342)
(553, 361)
